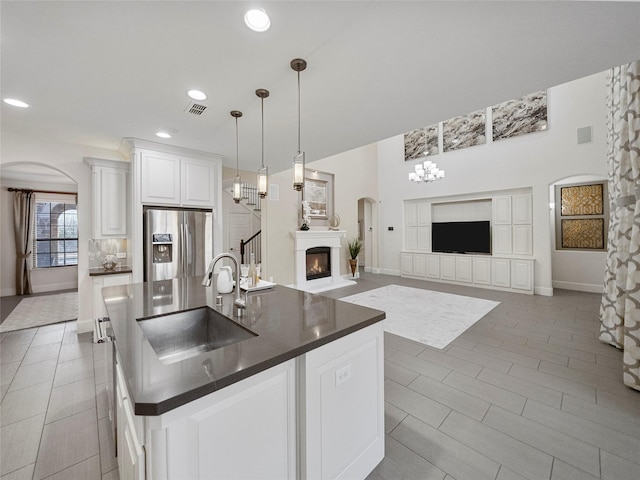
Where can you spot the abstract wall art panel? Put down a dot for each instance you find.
(464, 131)
(582, 200)
(585, 233)
(415, 143)
(516, 117)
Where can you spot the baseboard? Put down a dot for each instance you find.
(52, 287)
(367, 269)
(377, 271)
(389, 271)
(543, 291)
(7, 292)
(578, 287)
(84, 326)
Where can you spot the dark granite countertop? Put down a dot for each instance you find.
(288, 323)
(99, 271)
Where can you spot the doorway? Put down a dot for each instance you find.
(239, 229)
(54, 271)
(367, 227)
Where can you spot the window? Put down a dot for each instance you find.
(55, 239)
(581, 216)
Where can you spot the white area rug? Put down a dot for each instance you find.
(42, 310)
(432, 318)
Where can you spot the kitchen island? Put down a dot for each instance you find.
(300, 396)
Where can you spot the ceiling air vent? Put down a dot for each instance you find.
(195, 108)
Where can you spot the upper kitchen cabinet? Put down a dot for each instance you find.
(110, 194)
(174, 176)
(177, 180)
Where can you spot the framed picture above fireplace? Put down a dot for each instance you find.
(318, 191)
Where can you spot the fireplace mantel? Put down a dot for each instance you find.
(306, 239)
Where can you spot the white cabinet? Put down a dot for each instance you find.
(410, 215)
(245, 430)
(502, 240)
(160, 179)
(522, 239)
(482, 270)
(424, 238)
(464, 269)
(485, 271)
(521, 209)
(406, 263)
(100, 281)
(419, 265)
(448, 267)
(131, 457)
(423, 211)
(521, 274)
(168, 179)
(501, 272)
(433, 266)
(502, 210)
(109, 180)
(411, 238)
(343, 420)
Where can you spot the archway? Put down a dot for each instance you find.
(58, 190)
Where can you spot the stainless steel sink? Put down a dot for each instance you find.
(178, 336)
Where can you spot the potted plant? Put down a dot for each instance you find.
(354, 247)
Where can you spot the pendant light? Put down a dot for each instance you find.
(263, 172)
(237, 183)
(298, 65)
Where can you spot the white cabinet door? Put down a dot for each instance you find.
(522, 212)
(423, 214)
(131, 456)
(411, 238)
(419, 265)
(406, 264)
(502, 240)
(433, 266)
(424, 238)
(522, 274)
(501, 272)
(160, 179)
(448, 267)
(246, 430)
(343, 384)
(198, 181)
(410, 215)
(502, 210)
(522, 239)
(482, 271)
(112, 201)
(464, 269)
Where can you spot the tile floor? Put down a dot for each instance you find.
(527, 392)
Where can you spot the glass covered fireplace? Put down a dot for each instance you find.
(318, 262)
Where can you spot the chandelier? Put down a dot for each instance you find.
(426, 172)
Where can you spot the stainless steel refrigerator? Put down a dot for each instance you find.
(177, 243)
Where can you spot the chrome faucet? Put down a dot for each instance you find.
(239, 304)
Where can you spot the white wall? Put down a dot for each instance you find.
(355, 177)
(66, 158)
(536, 160)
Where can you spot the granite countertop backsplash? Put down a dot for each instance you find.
(287, 324)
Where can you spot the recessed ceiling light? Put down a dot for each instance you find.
(162, 134)
(257, 20)
(16, 103)
(197, 95)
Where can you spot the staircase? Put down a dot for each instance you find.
(252, 202)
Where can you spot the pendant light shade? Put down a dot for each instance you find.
(298, 65)
(263, 172)
(237, 182)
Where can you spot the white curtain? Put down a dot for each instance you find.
(620, 308)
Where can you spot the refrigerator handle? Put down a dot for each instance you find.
(189, 252)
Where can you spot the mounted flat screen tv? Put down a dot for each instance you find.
(461, 237)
